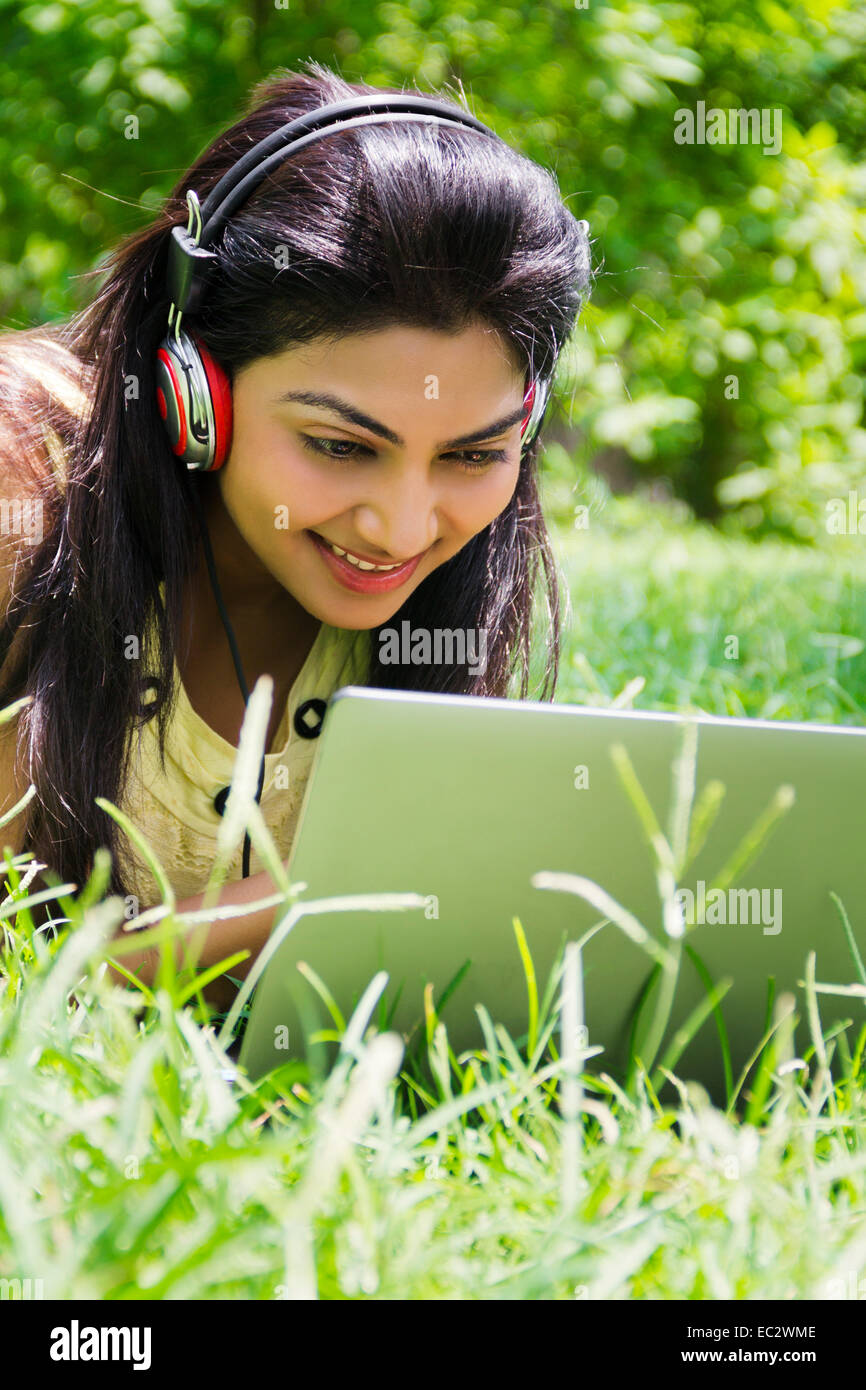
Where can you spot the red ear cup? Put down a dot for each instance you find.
(536, 399)
(170, 398)
(194, 399)
(221, 399)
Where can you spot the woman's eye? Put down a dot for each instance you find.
(475, 459)
(333, 448)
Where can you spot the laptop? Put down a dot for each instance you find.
(471, 804)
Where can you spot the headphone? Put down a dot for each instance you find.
(193, 392)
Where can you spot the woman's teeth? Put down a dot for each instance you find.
(353, 559)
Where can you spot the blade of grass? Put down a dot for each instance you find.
(639, 800)
(604, 903)
(707, 982)
(849, 936)
(683, 770)
(531, 983)
(753, 840)
(453, 984)
(684, 1035)
(323, 992)
(707, 807)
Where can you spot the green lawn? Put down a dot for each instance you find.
(129, 1168)
(658, 600)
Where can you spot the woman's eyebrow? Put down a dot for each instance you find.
(357, 417)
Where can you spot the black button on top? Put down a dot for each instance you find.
(309, 718)
(222, 796)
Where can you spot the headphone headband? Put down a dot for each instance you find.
(382, 103)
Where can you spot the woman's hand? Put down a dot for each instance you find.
(217, 940)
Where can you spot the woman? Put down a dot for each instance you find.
(379, 303)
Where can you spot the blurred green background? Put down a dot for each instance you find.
(722, 357)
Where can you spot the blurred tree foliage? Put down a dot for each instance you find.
(725, 345)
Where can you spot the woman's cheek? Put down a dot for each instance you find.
(277, 496)
(484, 504)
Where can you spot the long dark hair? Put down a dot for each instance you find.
(385, 225)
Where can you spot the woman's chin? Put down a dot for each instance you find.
(355, 612)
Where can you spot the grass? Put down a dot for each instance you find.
(722, 625)
(130, 1168)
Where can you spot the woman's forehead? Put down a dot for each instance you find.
(399, 347)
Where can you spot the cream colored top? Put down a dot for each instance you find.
(175, 810)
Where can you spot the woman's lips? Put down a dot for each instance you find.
(364, 581)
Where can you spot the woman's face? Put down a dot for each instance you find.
(396, 446)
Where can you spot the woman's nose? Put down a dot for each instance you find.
(402, 523)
